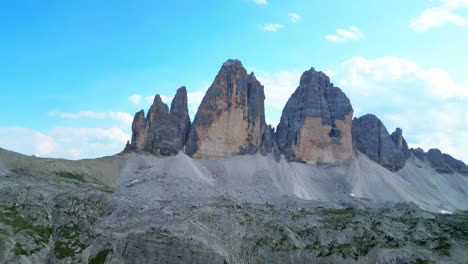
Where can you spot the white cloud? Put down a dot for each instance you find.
(438, 16)
(64, 142)
(135, 99)
(272, 122)
(122, 117)
(278, 87)
(294, 17)
(260, 2)
(343, 35)
(455, 4)
(28, 141)
(366, 77)
(427, 103)
(329, 73)
(272, 27)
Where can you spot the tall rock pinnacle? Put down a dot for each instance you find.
(231, 116)
(315, 125)
(372, 139)
(162, 132)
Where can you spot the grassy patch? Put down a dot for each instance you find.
(69, 243)
(100, 258)
(71, 175)
(40, 235)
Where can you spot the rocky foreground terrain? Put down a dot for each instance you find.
(228, 188)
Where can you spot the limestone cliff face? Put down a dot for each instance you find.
(315, 125)
(231, 116)
(372, 139)
(162, 132)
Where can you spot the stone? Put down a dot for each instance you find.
(372, 139)
(162, 132)
(441, 162)
(269, 143)
(231, 117)
(316, 122)
(400, 141)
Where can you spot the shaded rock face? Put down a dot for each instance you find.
(269, 143)
(400, 142)
(372, 139)
(231, 116)
(162, 132)
(316, 122)
(442, 163)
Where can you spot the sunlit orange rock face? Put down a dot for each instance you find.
(231, 117)
(316, 123)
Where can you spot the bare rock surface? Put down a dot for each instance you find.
(372, 138)
(315, 125)
(441, 162)
(162, 132)
(231, 117)
(242, 209)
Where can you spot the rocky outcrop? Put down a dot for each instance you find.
(162, 132)
(315, 125)
(231, 116)
(269, 143)
(372, 139)
(400, 142)
(441, 162)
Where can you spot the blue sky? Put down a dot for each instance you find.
(72, 73)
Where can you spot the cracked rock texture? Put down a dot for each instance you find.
(372, 138)
(162, 132)
(231, 117)
(315, 125)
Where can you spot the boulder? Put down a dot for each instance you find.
(231, 117)
(316, 122)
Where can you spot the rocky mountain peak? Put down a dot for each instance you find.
(441, 162)
(315, 125)
(162, 132)
(314, 78)
(372, 139)
(231, 116)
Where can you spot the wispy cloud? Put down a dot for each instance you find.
(294, 17)
(272, 27)
(64, 142)
(260, 2)
(122, 117)
(439, 16)
(426, 102)
(342, 35)
(135, 99)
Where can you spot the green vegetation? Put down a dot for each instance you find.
(69, 243)
(71, 175)
(40, 235)
(100, 258)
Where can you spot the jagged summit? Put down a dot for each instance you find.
(441, 162)
(162, 132)
(316, 125)
(231, 117)
(372, 138)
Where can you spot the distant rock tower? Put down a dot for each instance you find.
(162, 132)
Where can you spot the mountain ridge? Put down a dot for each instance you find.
(316, 126)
